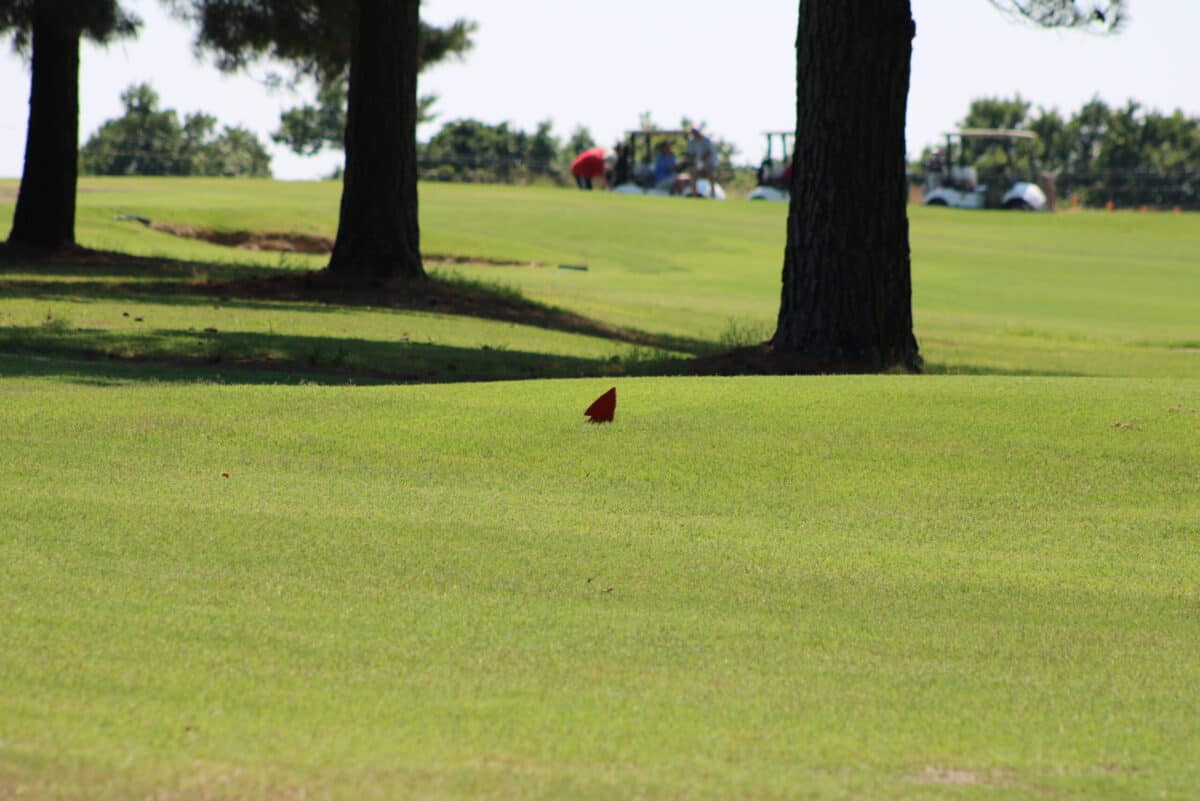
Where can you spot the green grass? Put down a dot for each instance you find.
(399, 346)
(820, 587)
(978, 584)
(1067, 294)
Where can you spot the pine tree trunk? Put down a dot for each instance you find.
(378, 236)
(847, 291)
(45, 213)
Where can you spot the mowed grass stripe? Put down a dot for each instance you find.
(861, 587)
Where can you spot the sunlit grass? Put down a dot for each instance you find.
(233, 572)
(740, 588)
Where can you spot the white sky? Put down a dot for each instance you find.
(602, 65)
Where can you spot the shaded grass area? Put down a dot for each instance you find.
(884, 587)
(350, 358)
(164, 290)
(92, 370)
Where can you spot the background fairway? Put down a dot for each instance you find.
(1067, 294)
(868, 588)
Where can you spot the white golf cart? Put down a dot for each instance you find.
(957, 185)
(774, 176)
(633, 172)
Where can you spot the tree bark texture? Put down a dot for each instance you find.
(45, 212)
(378, 235)
(847, 291)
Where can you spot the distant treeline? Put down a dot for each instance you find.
(147, 140)
(477, 152)
(1128, 156)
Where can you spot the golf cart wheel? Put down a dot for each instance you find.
(1016, 204)
(937, 201)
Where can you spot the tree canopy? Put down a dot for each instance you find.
(310, 128)
(1097, 14)
(473, 151)
(315, 38)
(98, 20)
(147, 140)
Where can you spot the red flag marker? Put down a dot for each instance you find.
(601, 410)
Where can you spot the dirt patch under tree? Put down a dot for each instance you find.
(291, 242)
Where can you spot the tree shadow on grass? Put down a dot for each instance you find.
(91, 265)
(239, 357)
(91, 370)
(76, 275)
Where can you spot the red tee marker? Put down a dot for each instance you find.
(601, 410)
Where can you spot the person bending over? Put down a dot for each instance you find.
(588, 166)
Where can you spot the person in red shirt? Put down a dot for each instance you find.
(588, 166)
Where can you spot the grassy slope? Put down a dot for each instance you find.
(1091, 294)
(866, 588)
(940, 587)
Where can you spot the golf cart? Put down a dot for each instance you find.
(774, 176)
(957, 185)
(633, 173)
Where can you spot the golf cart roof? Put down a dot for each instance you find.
(992, 133)
(657, 132)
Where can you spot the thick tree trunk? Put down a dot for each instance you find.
(847, 292)
(45, 213)
(378, 236)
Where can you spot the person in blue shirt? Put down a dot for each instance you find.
(666, 169)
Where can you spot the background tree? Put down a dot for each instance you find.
(478, 152)
(471, 151)
(147, 140)
(50, 30)
(1085, 132)
(194, 152)
(542, 151)
(235, 152)
(1173, 142)
(581, 139)
(311, 128)
(1053, 144)
(847, 289)
(375, 44)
